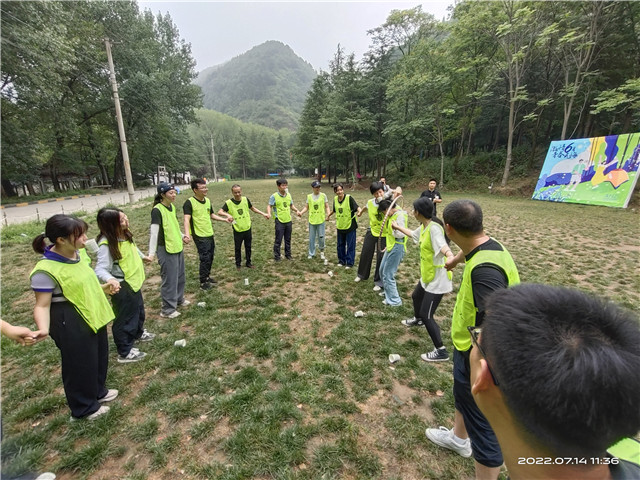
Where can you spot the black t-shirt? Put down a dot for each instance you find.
(486, 278)
(353, 206)
(431, 195)
(225, 207)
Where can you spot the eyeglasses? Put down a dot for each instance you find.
(475, 333)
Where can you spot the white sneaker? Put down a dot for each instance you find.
(443, 437)
(101, 411)
(146, 336)
(357, 279)
(381, 294)
(309, 257)
(322, 256)
(134, 355)
(377, 288)
(173, 314)
(184, 303)
(347, 267)
(340, 265)
(112, 393)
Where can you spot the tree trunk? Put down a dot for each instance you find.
(507, 165)
(118, 170)
(8, 189)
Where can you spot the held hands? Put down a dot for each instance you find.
(229, 219)
(111, 287)
(23, 335)
(148, 259)
(186, 238)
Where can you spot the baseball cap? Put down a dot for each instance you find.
(164, 187)
(315, 184)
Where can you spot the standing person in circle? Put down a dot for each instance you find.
(318, 207)
(432, 194)
(72, 307)
(166, 238)
(282, 205)
(346, 210)
(120, 264)
(237, 210)
(372, 242)
(197, 222)
(396, 242)
(434, 280)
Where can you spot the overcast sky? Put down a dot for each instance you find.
(219, 31)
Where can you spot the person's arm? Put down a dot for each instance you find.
(400, 222)
(272, 202)
(486, 279)
(327, 210)
(255, 210)
(21, 335)
(437, 198)
(224, 212)
(363, 209)
(331, 212)
(104, 265)
(187, 221)
(405, 230)
(41, 313)
(451, 263)
(294, 208)
(154, 230)
(226, 219)
(305, 209)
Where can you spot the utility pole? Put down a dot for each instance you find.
(213, 159)
(123, 138)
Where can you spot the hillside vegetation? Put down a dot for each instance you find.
(266, 85)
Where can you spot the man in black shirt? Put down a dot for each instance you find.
(432, 194)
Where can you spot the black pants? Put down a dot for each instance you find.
(206, 249)
(283, 230)
(238, 239)
(128, 325)
(424, 306)
(85, 358)
(369, 247)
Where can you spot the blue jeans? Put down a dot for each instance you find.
(347, 247)
(316, 231)
(388, 269)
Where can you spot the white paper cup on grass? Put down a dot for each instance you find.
(359, 313)
(394, 357)
(330, 273)
(180, 343)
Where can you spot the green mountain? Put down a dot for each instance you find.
(266, 85)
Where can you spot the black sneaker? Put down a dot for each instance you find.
(412, 322)
(436, 355)
(205, 286)
(211, 281)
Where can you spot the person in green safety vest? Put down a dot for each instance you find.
(489, 267)
(198, 214)
(166, 239)
(434, 280)
(396, 243)
(372, 242)
(237, 209)
(346, 210)
(72, 308)
(120, 263)
(318, 207)
(282, 205)
(557, 373)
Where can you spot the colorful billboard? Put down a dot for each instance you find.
(593, 171)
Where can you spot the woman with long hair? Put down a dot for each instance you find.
(166, 239)
(72, 308)
(120, 264)
(434, 280)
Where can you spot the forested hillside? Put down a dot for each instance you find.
(58, 125)
(497, 82)
(266, 85)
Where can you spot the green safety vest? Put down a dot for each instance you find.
(316, 209)
(626, 449)
(388, 231)
(82, 253)
(427, 267)
(375, 217)
(240, 214)
(283, 207)
(201, 218)
(172, 234)
(81, 288)
(343, 212)
(464, 311)
(130, 263)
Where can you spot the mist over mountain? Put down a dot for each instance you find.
(266, 85)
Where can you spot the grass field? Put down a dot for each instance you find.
(278, 378)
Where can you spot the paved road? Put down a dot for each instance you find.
(42, 211)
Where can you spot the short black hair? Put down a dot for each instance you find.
(433, 180)
(197, 181)
(384, 205)
(568, 366)
(375, 186)
(336, 185)
(282, 181)
(465, 216)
